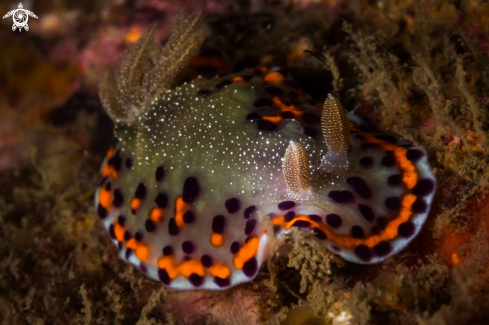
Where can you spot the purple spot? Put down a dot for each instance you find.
(191, 189)
(235, 247)
(311, 119)
(382, 222)
(168, 250)
(366, 161)
(274, 91)
(341, 196)
(128, 253)
(363, 253)
(173, 229)
(265, 125)
(204, 93)
(414, 154)
(250, 267)
(248, 211)
(287, 115)
(188, 217)
(285, 205)
(335, 248)
(394, 179)
(333, 220)
(127, 235)
(387, 138)
(293, 94)
(406, 229)
(141, 191)
(108, 186)
(368, 145)
(357, 232)
(138, 236)
(206, 260)
(309, 131)
(221, 282)
(128, 163)
(159, 173)
(118, 198)
(116, 161)
(188, 247)
(111, 231)
(382, 249)
(161, 200)
(149, 225)
(250, 226)
(102, 181)
(366, 212)
(423, 187)
(276, 229)
(143, 267)
(232, 205)
(301, 224)
(319, 233)
(121, 220)
(290, 83)
(360, 187)
(315, 218)
(388, 161)
(253, 116)
(419, 206)
(223, 83)
(289, 216)
(101, 211)
(263, 102)
(163, 276)
(393, 203)
(218, 224)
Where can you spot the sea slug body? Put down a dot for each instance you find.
(182, 191)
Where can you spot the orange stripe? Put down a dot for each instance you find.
(107, 170)
(274, 77)
(132, 244)
(237, 80)
(135, 203)
(142, 252)
(217, 240)
(274, 119)
(110, 153)
(180, 209)
(246, 252)
(220, 270)
(347, 241)
(186, 268)
(284, 108)
(105, 198)
(119, 231)
(410, 177)
(156, 214)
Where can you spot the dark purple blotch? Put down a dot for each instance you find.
(218, 224)
(360, 187)
(341, 196)
(333, 220)
(286, 205)
(232, 205)
(191, 189)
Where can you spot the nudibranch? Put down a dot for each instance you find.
(197, 166)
